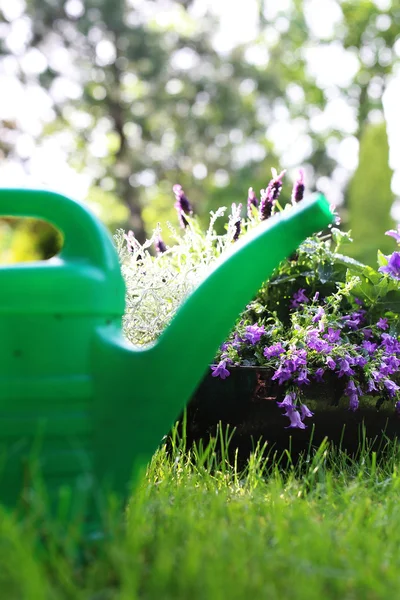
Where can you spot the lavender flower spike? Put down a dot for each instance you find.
(237, 222)
(130, 241)
(251, 201)
(182, 204)
(159, 244)
(298, 188)
(270, 195)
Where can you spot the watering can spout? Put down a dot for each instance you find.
(204, 321)
(163, 377)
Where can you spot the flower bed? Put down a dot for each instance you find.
(322, 322)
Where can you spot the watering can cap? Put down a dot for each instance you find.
(85, 278)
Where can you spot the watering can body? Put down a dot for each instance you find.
(80, 407)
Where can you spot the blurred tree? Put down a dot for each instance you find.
(370, 197)
(140, 97)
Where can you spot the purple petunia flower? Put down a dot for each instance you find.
(333, 335)
(391, 387)
(360, 361)
(253, 333)
(390, 343)
(251, 201)
(299, 298)
(344, 367)
(288, 400)
(330, 363)
(298, 188)
(182, 204)
(302, 378)
(282, 375)
(393, 266)
(394, 234)
(305, 412)
(382, 324)
(295, 419)
(315, 343)
(316, 297)
(354, 402)
(319, 373)
(274, 350)
(370, 347)
(220, 370)
(319, 315)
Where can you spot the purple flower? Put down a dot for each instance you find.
(359, 361)
(354, 320)
(182, 204)
(358, 301)
(282, 375)
(391, 387)
(270, 195)
(253, 333)
(351, 388)
(333, 335)
(302, 378)
(393, 266)
(354, 402)
(397, 407)
(369, 347)
(298, 188)
(316, 297)
(344, 367)
(394, 234)
(305, 412)
(389, 365)
(299, 298)
(319, 315)
(330, 363)
(319, 373)
(274, 350)
(220, 370)
(130, 241)
(382, 324)
(288, 400)
(251, 201)
(315, 343)
(390, 343)
(368, 334)
(295, 419)
(159, 245)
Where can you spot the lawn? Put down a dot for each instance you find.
(199, 529)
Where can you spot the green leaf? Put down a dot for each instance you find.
(382, 259)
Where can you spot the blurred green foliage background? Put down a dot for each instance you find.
(138, 95)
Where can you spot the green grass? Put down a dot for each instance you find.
(327, 528)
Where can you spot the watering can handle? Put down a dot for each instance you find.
(85, 237)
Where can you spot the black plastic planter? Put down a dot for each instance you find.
(247, 401)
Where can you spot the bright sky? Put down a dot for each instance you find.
(331, 65)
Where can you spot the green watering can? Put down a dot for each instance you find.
(80, 407)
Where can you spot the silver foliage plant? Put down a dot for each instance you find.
(157, 285)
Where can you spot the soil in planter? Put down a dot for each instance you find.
(247, 401)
